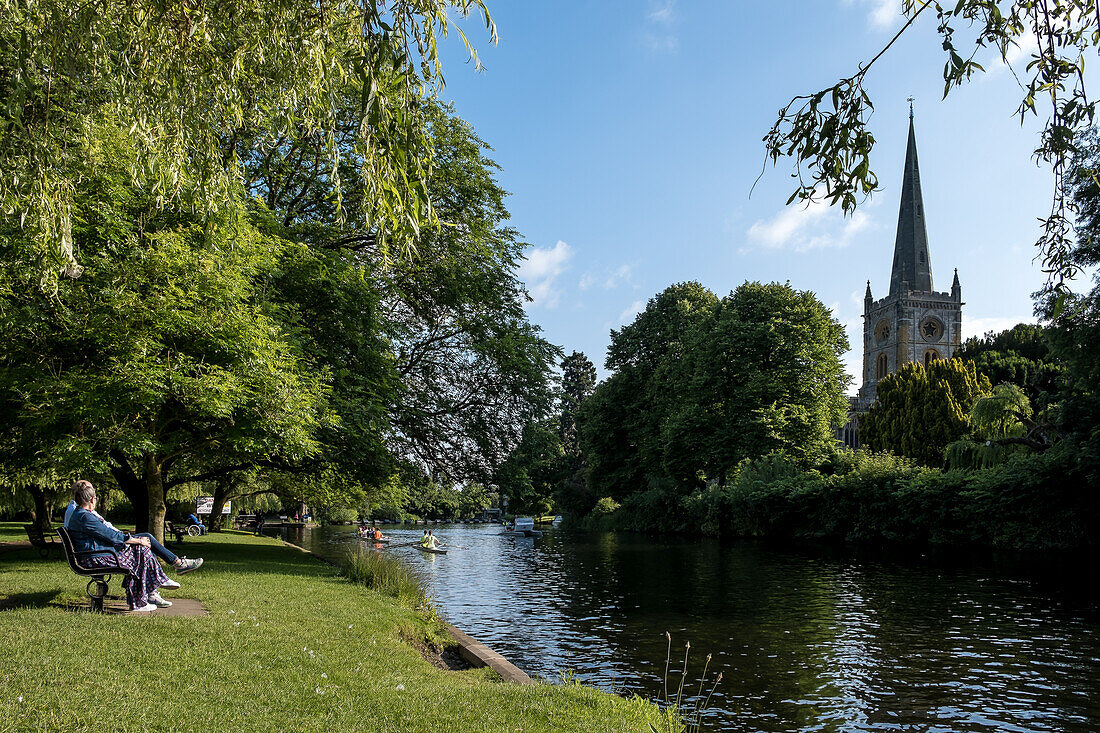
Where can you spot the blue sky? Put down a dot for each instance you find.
(629, 136)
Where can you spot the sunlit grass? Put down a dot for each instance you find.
(289, 645)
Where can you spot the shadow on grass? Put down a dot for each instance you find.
(220, 556)
(41, 599)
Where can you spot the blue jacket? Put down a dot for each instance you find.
(90, 533)
(194, 520)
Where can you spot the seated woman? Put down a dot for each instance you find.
(91, 533)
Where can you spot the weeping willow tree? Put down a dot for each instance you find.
(1004, 424)
(188, 79)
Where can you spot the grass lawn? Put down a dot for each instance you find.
(12, 531)
(289, 645)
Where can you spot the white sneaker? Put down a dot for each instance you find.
(170, 584)
(144, 609)
(157, 601)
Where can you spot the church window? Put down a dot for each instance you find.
(930, 356)
(883, 367)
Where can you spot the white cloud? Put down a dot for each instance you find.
(982, 326)
(662, 13)
(632, 310)
(620, 275)
(659, 33)
(610, 280)
(1021, 53)
(883, 13)
(540, 270)
(803, 228)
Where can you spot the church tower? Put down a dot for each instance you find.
(913, 323)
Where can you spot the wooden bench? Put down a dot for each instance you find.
(43, 542)
(170, 528)
(100, 576)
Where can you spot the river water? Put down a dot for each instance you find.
(806, 639)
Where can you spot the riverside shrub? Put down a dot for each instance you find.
(1032, 501)
(1036, 501)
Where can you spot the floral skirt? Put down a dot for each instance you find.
(146, 574)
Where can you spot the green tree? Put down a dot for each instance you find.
(194, 80)
(763, 375)
(645, 359)
(919, 410)
(700, 384)
(1020, 356)
(457, 367)
(530, 474)
(578, 380)
(1074, 331)
(165, 352)
(826, 132)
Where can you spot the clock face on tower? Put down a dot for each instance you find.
(882, 330)
(931, 329)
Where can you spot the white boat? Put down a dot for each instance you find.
(521, 527)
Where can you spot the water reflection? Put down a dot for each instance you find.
(806, 640)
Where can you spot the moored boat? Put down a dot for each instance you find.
(521, 527)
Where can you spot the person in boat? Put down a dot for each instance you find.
(378, 534)
(433, 541)
(424, 539)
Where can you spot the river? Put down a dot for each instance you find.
(809, 638)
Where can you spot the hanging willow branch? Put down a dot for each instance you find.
(181, 77)
(826, 132)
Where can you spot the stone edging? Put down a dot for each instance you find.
(472, 650)
(479, 655)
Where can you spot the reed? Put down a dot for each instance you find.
(680, 714)
(385, 574)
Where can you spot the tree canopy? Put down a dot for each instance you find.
(920, 410)
(244, 350)
(189, 82)
(701, 383)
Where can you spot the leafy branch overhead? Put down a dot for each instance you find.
(189, 78)
(826, 134)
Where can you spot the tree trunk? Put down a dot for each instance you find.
(154, 492)
(221, 494)
(134, 489)
(43, 506)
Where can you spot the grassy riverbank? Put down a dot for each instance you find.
(288, 645)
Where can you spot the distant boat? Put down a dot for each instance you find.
(521, 527)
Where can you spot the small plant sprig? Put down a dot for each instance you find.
(680, 715)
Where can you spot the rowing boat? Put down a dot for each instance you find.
(436, 550)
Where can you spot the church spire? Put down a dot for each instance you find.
(912, 265)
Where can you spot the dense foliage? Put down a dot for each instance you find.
(247, 352)
(199, 87)
(700, 383)
(1021, 356)
(920, 410)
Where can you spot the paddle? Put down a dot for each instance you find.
(459, 547)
